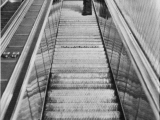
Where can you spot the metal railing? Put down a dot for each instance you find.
(3, 2)
(10, 94)
(10, 28)
(130, 68)
(37, 75)
(149, 77)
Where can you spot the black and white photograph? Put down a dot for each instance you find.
(80, 60)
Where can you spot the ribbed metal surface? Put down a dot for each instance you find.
(7, 11)
(80, 87)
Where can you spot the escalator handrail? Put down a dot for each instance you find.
(3, 3)
(9, 91)
(10, 28)
(148, 78)
(44, 12)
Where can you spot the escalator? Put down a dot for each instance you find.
(76, 68)
(7, 11)
(80, 85)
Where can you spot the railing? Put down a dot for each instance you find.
(31, 98)
(11, 95)
(132, 72)
(13, 23)
(3, 2)
(148, 77)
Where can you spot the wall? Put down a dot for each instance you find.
(144, 18)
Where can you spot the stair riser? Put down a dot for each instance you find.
(92, 66)
(83, 107)
(80, 81)
(78, 43)
(83, 52)
(79, 37)
(79, 46)
(79, 75)
(80, 49)
(81, 57)
(113, 115)
(77, 33)
(80, 61)
(78, 70)
(82, 92)
(83, 99)
(82, 86)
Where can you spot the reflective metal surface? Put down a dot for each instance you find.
(134, 101)
(31, 106)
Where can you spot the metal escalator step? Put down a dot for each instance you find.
(80, 53)
(78, 23)
(83, 107)
(78, 43)
(81, 99)
(79, 37)
(80, 70)
(79, 61)
(82, 92)
(65, 15)
(95, 115)
(65, 66)
(80, 29)
(80, 86)
(79, 46)
(113, 115)
(80, 81)
(92, 40)
(80, 75)
(78, 20)
(77, 31)
(77, 34)
(79, 49)
(61, 27)
(80, 57)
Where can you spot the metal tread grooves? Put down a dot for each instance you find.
(80, 86)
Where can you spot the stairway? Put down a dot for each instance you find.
(80, 87)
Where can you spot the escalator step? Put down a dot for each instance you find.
(82, 99)
(109, 115)
(83, 107)
(80, 75)
(80, 81)
(82, 92)
(79, 61)
(80, 86)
